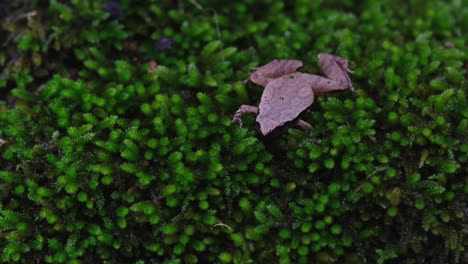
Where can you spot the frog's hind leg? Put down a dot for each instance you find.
(303, 124)
(336, 68)
(243, 109)
(322, 85)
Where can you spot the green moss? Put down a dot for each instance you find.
(108, 160)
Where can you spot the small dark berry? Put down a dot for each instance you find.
(163, 43)
(113, 8)
(186, 95)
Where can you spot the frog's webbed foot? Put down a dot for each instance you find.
(303, 124)
(352, 88)
(243, 109)
(350, 85)
(343, 63)
(349, 71)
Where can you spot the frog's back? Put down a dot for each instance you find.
(283, 99)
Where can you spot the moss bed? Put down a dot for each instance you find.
(117, 144)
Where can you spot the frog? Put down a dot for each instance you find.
(287, 92)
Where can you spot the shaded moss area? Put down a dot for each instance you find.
(118, 145)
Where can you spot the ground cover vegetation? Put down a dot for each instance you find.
(118, 147)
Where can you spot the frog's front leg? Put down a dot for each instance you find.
(243, 109)
(337, 69)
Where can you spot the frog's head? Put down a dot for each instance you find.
(262, 75)
(259, 79)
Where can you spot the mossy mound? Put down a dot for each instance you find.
(117, 143)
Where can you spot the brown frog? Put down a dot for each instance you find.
(287, 92)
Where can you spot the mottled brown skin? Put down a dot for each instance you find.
(286, 97)
(287, 93)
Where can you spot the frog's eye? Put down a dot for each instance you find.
(113, 8)
(254, 76)
(163, 43)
